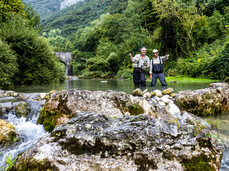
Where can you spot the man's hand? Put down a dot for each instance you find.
(131, 58)
(167, 56)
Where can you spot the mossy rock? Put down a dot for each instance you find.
(22, 109)
(48, 119)
(152, 93)
(173, 95)
(33, 164)
(135, 109)
(49, 94)
(137, 92)
(167, 91)
(8, 134)
(198, 163)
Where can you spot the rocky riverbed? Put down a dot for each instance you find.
(117, 131)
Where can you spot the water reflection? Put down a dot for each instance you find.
(117, 85)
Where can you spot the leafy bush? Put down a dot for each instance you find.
(219, 68)
(8, 64)
(36, 60)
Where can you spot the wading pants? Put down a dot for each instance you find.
(161, 77)
(139, 77)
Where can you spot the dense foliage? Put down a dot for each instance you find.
(101, 33)
(26, 57)
(8, 64)
(180, 28)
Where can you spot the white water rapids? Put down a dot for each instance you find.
(29, 132)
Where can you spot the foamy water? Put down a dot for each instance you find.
(29, 132)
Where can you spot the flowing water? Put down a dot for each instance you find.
(222, 122)
(30, 133)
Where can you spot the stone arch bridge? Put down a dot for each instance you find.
(66, 59)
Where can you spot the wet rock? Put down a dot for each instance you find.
(167, 91)
(203, 102)
(137, 92)
(152, 93)
(42, 95)
(219, 85)
(8, 134)
(147, 95)
(173, 95)
(10, 93)
(165, 99)
(93, 141)
(22, 108)
(6, 107)
(158, 93)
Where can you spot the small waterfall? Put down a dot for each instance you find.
(29, 132)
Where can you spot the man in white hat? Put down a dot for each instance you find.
(140, 63)
(156, 68)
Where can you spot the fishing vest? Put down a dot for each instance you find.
(142, 64)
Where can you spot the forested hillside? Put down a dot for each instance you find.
(81, 14)
(44, 7)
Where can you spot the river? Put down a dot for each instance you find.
(117, 85)
(30, 133)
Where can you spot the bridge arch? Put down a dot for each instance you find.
(66, 59)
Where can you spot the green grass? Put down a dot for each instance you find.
(189, 79)
(185, 79)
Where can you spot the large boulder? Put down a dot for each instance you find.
(209, 101)
(7, 133)
(63, 105)
(91, 141)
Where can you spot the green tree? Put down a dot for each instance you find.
(12, 6)
(36, 60)
(8, 64)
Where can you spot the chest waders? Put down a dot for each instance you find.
(158, 73)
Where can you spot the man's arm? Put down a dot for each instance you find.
(151, 68)
(164, 58)
(148, 63)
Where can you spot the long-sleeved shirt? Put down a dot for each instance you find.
(139, 62)
(156, 61)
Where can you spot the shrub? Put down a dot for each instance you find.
(36, 60)
(8, 64)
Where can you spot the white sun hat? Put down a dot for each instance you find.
(155, 51)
